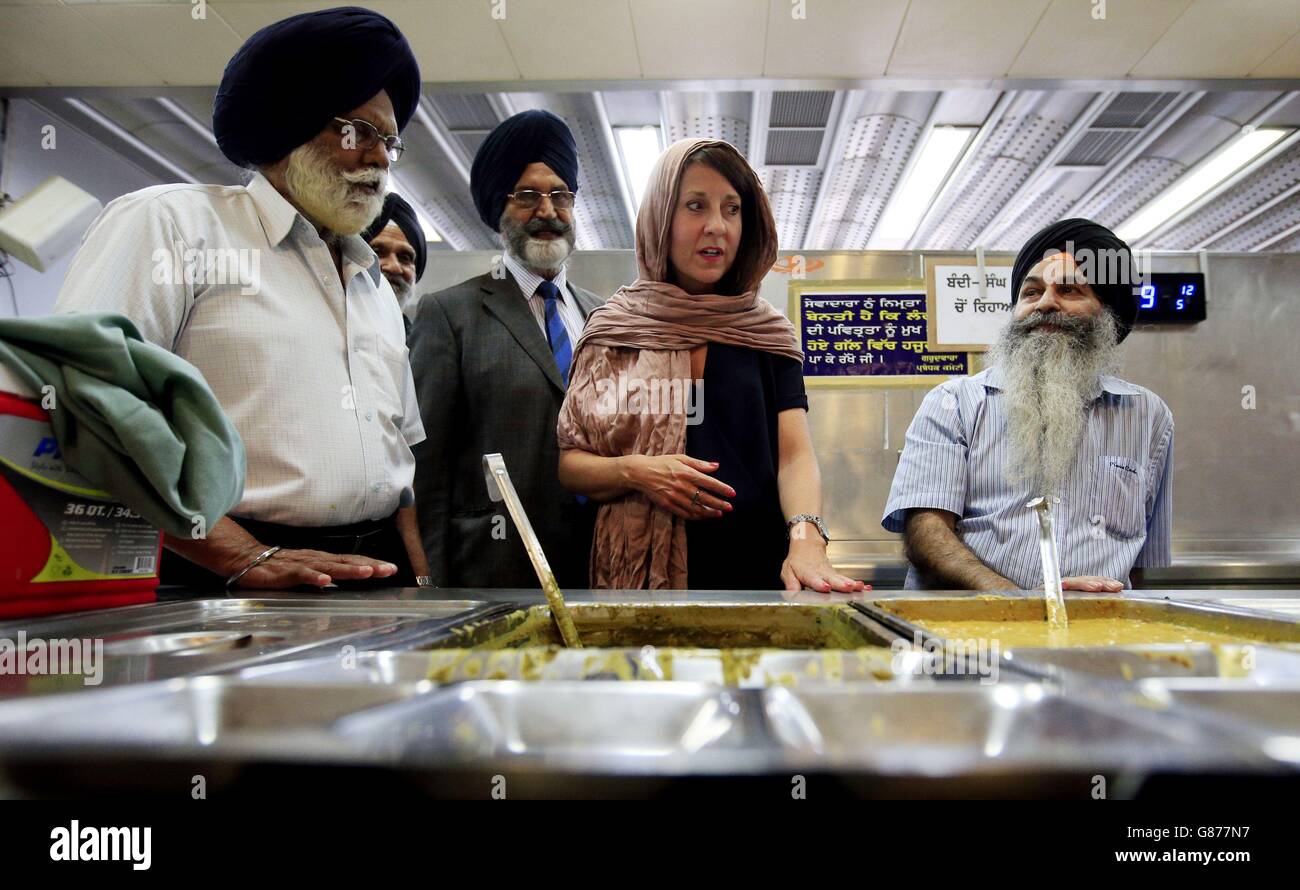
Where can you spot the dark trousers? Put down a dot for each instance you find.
(375, 538)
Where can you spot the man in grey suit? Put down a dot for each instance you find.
(491, 360)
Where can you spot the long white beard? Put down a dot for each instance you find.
(330, 196)
(1050, 379)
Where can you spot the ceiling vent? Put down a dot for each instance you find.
(468, 111)
(1118, 124)
(796, 127)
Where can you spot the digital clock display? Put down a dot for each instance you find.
(1172, 297)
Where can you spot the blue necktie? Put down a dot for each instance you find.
(556, 335)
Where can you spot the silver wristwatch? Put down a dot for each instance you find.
(807, 517)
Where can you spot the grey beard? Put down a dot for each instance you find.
(1050, 379)
(401, 289)
(542, 258)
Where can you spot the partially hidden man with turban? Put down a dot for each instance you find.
(716, 487)
(1046, 418)
(398, 240)
(491, 357)
(268, 289)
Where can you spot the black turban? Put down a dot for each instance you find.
(396, 210)
(527, 138)
(1109, 265)
(292, 77)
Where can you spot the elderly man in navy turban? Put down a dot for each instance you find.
(398, 239)
(491, 359)
(1046, 418)
(268, 289)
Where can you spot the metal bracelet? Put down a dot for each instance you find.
(261, 558)
(807, 517)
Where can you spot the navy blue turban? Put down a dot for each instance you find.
(292, 77)
(396, 210)
(1110, 267)
(529, 137)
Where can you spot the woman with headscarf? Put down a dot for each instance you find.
(724, 492)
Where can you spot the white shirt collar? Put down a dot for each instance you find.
(529, 281)
(278, 218)
(276, 213)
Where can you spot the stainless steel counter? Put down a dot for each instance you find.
(229, 687)
(883, 566)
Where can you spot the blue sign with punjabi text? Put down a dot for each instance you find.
(859, 334)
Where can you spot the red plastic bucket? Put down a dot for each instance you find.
(64, 545)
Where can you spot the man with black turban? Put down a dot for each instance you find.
(491, 359)
(397, 238)
(1046, 418)
(268, 289)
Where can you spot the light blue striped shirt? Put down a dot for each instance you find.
(1116, 508)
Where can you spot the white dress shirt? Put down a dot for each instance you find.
(567, 304)
(314, 375)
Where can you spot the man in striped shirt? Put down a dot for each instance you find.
(1046, 418)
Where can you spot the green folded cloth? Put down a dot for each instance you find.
(134, 419)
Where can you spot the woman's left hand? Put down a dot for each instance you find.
(807, 566)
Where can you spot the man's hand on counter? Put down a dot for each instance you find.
(228, 549)
(1092, 583)
(316, 568)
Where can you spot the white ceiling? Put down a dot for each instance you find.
(831, 161)
(1076, 115)
(84, 43)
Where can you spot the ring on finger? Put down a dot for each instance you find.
(695, 499)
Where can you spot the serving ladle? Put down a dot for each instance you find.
(1054, 597)
(500, 488)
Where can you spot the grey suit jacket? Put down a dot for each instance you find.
(487, 382)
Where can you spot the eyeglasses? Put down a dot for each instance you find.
(528, 199)
(366, 136)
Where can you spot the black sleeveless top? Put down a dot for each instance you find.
(744, 391)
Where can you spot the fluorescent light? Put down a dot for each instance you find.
(430, 233)
(1243, 149)
(940, 153)
(639, 148)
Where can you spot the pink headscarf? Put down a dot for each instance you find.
(646, 332)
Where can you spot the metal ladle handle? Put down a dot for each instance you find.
(500, 488)
(1054, 596)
